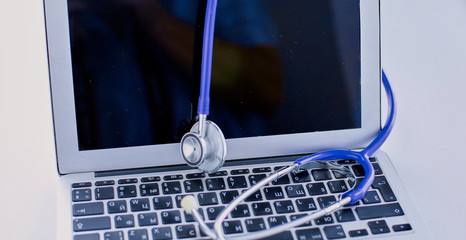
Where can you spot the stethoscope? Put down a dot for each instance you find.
(204, 147)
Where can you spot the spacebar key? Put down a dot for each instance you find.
(87, 224)
(379, 211)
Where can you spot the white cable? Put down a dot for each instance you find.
(219, 220)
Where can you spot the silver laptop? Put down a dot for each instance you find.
(289, 79)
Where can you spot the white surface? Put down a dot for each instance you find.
(424, 54)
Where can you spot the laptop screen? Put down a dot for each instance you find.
(278, 68)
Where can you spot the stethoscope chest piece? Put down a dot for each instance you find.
(205, 151)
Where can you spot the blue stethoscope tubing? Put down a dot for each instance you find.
(206, 65)
(362, 157)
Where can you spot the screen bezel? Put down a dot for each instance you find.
(71, 160)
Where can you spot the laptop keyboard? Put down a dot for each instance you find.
(148, 207)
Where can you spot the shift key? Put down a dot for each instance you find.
(380, 211)
(87, 224)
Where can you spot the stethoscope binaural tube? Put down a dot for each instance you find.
(353, 195)
(203, 150)
(204, 146)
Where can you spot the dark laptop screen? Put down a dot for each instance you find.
(279, 67)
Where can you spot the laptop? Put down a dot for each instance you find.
(288, 80)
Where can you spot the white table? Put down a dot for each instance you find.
(424, 54)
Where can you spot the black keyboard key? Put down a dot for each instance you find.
(378, 223)
(379, 211)
(279, 168)
(316, 189)
(337, 186)
(104, 193)
(80, 195)
(169, 217)
(171, 187)
(326, 201)
(280, 236)
(298, 216)
(277, 220)
(218, 174)
(377, 169)
(241, 211)
(195, 175)
(371, 197)
(124, 221)
(173, 177)
(116, 206)
(381, 183)
(117, 235)
(190, 217)
(237, 182)
(309, 233)
(378, 227)
(254, 179)
(150, 179)
(256, 196)
(185, 231)
(262, 208)
(345, 215)
(163, 202)
(209, 198)
(295, 191)
(285, 206)
(255, 224)
(324, 220)
(81, 185)
(402, 227)
(178, 199)
(282, 180)
(105, 183)
(321, 174)
(334, 232)
(351, 182)
(162, 233)
(239, 171)
(232, 227)
(193, 185)
(261, 170)
(358, 170)
(128, 181)
(358, 233)
(140, 234)
(147, 219)
(85, 209)
(215, 184)
(213, 212)
(228, 196)
(140, 204)
(300, 177)
(342, 173)
(373, 159)
(305, 204)
(91, 236)
(149, 189)
(346, 161)
(127, 191)
(272, 193)
(88, 224)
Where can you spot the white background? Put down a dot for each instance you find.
(423, 53)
